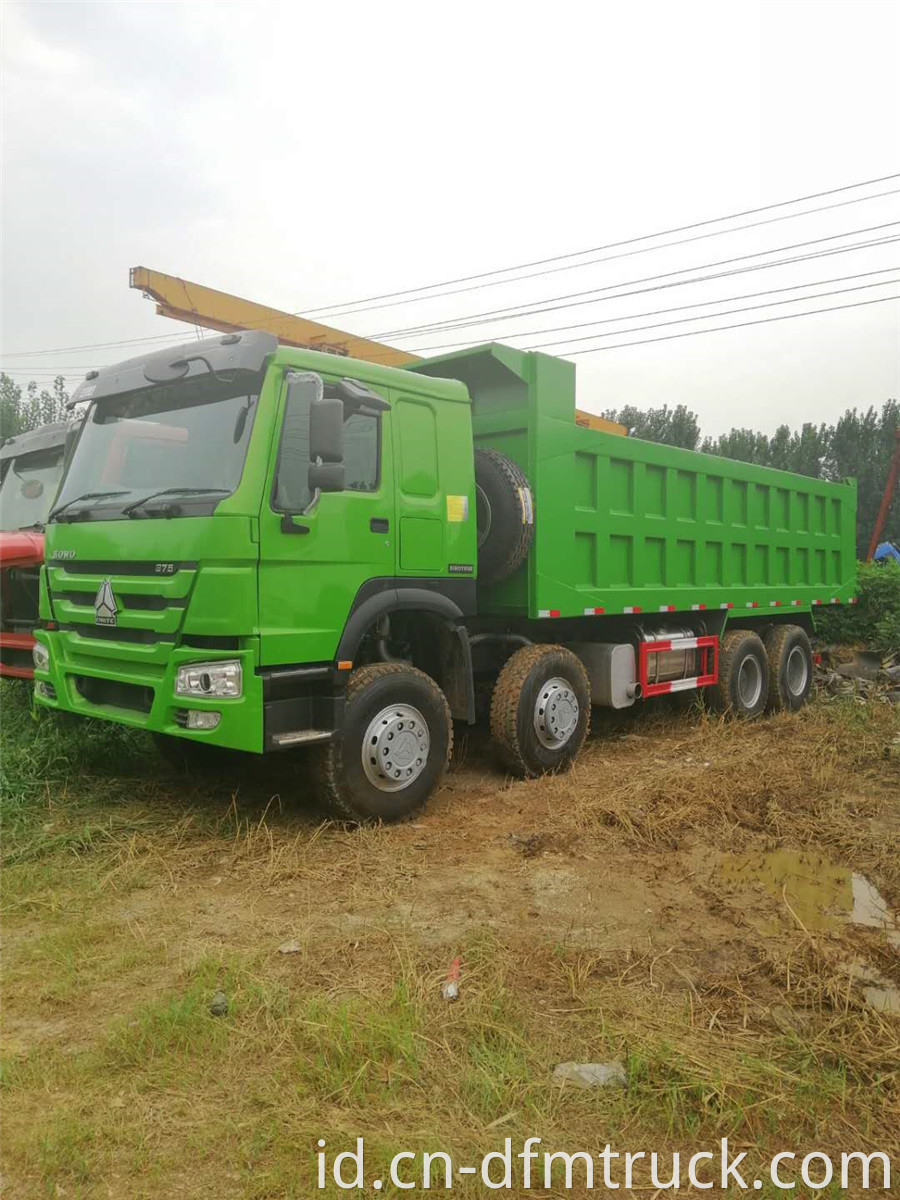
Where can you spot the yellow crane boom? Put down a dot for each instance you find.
(184, 300)
(199, 305)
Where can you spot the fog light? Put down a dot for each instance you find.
(40, 656)
(202, 720)
(210, 679)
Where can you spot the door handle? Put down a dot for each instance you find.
(378, 524)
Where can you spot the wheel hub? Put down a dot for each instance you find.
(749, 682)
(395, 747)
(797, 671)
(556, 713)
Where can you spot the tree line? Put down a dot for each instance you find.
(858, 445)
(28, 407)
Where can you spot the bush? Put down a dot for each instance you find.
(875, 618)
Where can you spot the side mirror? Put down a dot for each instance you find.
(326, 433)
(326, 477)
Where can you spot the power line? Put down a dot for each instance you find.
(699, 237)
(794, 287)
(587, 337)
(174, 337)
(696, 225)
(573, 298)
(739, 325)
(717, 329)
(158, 337)
(322, 308)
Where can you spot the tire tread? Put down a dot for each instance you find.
(505, 704)
(520, 540)
(719, 694)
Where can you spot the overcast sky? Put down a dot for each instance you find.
(310, 154)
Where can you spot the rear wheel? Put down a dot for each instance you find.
(540, 710)
(393, 748)
(790, 668)
(743, 684)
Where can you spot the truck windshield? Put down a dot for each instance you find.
(28, 487)
(190, 435)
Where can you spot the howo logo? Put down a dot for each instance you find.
(105, 607)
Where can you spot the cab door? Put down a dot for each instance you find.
(316, 552)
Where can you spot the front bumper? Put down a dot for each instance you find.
(113, 683)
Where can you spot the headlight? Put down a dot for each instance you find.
(40, 656)
(210, 679)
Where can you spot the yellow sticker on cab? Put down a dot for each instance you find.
(457, 508)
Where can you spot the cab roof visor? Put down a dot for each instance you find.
(45, 437)
(245, 351)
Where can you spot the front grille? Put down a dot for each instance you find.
(115, 694)
(118, 633)
(13, 657)
(127, 600)
(203, 641)
(20, 599)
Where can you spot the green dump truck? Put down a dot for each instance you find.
(261, 548)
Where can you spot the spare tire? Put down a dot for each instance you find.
(504, 513)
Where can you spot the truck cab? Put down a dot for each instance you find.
(236, 521)
(31, 465)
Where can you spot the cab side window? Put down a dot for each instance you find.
(361, 449)
(360, 453)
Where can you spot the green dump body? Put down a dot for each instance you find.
(623, 525)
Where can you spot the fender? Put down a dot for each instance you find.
(448, 598)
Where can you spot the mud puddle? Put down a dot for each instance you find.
(820, 895)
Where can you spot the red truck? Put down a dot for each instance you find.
(30, 468)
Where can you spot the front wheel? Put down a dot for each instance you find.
(392, 749)
(540, 710)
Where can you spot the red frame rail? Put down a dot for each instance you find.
(708, 644)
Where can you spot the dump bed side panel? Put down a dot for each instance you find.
(627, 525)
(623, 525)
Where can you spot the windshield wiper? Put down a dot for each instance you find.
(131, 509)
(84, 496)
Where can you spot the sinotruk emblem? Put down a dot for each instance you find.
(105, 607)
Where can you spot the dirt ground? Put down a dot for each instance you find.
(712, 905)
